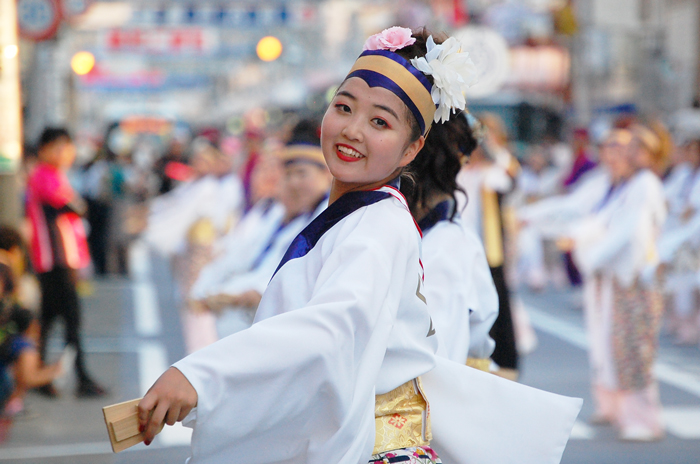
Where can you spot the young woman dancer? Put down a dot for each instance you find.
(331, 370)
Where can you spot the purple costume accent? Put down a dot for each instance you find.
(336, 212)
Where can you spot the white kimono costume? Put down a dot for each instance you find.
(547, 218)
(260, 271)
(680, 231)
(552, 217)
(239, 248)
(184, 224)
(473, 180)
(676, 189)
(459, 289)
(171, 215)
(342, 320)
(614, 247)
(679, 248)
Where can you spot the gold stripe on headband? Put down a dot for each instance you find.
(648, 138)
(305, 152)
(418, 94)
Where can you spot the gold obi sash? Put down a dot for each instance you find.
(482, 364)
(402, 418)
(202, 233)
(492, 227)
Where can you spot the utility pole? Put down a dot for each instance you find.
(10, 114)
(697, 54)
(581, 75)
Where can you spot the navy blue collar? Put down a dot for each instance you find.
(441, 212)
(336, 212)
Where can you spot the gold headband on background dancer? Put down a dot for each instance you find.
(452, 71)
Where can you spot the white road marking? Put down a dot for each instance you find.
(139, 262)
(683, 421)
(153, 357)
(53, 451)
(582, 431)
(561, 329)
(146, 313)
(153, 361)
(576, 336)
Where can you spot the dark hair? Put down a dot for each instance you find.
(51, 134)
(435, 168)
(10, 238)
(7, 280)
(305, 132)
(22, 319)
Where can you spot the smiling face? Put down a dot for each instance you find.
(366, 136)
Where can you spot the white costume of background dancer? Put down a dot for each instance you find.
(259, 273)
(459, 289)
(614, 248)
(183, 225)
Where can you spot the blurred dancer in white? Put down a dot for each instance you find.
(486, 178)
(538, 179)
(679, 245)
(613, 248)
(236, 292)
(184, 225)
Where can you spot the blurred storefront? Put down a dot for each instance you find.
(545, 63)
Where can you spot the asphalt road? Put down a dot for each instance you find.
(132, 333)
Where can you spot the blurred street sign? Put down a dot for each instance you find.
(73, 8)
(38, 19)
(235, 15)
(183, 40)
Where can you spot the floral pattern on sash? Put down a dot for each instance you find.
(412, 455)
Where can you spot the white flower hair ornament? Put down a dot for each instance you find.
(453, 71)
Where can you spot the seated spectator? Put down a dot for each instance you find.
(19, 354)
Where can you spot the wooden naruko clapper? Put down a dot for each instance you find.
(122, 421)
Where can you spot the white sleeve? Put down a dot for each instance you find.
(304, 379)
(447, 287)
(485, 308)
(626, 218)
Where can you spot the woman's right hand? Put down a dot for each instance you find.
(169, 400)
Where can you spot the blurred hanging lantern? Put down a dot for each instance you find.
(269, 48)
(82, 63)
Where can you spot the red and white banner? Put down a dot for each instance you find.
(191, 40)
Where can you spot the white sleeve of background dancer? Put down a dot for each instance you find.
(447, 286)
(601, 253)
(291, 382)
(485, 307)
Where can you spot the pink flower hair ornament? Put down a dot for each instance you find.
(452, 71)
(392, 39)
